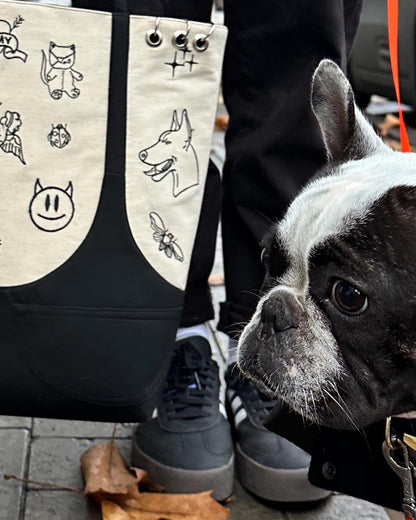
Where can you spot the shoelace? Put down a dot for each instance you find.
(190, 385)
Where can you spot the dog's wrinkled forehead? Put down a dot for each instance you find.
(334, 204)
(361, 170)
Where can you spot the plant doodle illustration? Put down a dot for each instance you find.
(9, 44)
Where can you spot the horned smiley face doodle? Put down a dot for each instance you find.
(51, 208)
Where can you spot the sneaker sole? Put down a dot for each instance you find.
(277, 485)
(178, 480)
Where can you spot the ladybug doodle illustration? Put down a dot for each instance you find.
(59, 136)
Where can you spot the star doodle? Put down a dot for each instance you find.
(174, 64)
(185, 52)
(191, 62)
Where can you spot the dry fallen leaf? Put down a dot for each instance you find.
(109, 481)
(106, 473)
(160, 506)
(394, 144)
(221, 123)
(390, 121)
(112, 511)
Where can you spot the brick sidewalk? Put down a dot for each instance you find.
(49, 451)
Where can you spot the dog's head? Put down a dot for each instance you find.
(335, 333)
(163, 154)
(173, 154)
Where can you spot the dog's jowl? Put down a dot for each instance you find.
(335, 333)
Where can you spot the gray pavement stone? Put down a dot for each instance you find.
(57, 459)
(9, 421)
(246, 507)
(13, 458)
(59, 505)
(82, 429)
(341, 507)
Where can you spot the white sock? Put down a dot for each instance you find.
(195, 330)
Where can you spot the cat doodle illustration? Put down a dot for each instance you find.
(59, 136)
(51, 208)
(61, 76)
(10, 142)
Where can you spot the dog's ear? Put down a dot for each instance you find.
(346, 132)
(185, 119)
(174, 125)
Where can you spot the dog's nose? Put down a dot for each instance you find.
(143, 155)
(281, 311)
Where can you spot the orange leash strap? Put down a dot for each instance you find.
(393, 29)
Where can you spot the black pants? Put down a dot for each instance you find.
(273, 143)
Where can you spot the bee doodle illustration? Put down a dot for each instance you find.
(166, 240)
(59, 136)
(9, 44)
(61, 76)
(10, 142)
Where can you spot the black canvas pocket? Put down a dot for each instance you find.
(100, 356)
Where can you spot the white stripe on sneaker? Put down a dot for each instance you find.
(223, 410)
(239, 416)
(237, 407)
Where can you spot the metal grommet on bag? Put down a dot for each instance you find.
(153, 36)
(201, 42)
(180, 38)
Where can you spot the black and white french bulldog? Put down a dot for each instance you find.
(334, 335)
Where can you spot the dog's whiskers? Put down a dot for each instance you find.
(235, 333)
(336, 391)
(251, 293)
(341, 408)
(315, 413)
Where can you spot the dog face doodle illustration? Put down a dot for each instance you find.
(173, 154)
(51, 208)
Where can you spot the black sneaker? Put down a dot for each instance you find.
(268, 465)
(188, 447)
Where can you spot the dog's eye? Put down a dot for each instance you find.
(348, 298)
